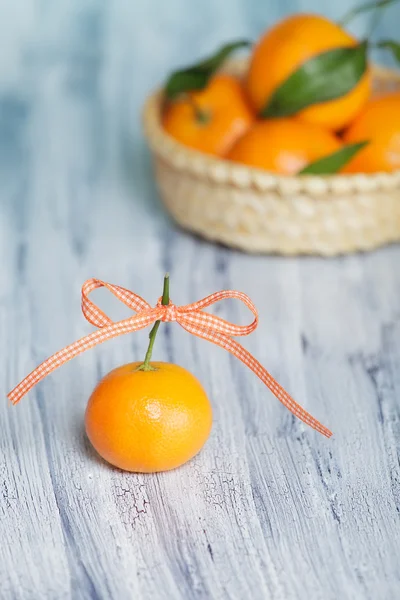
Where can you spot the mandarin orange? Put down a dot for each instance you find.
(283, 145)
(378, 123)
(284, 48)
(210, 120)
(148, 421)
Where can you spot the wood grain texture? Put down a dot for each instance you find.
(269, 509)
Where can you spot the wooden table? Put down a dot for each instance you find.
(269, 509)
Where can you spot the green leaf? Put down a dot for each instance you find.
(197, 76)
(362, 8)
(391, 45)
(334, 162)
(324, 77)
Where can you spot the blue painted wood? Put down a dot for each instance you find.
(268, 509)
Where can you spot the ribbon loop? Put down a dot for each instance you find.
(192, 313)
(191, 317)
(95, 315)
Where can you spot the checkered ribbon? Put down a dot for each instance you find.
(191, 317)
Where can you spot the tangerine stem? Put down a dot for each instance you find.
(201, 115)
(146, 366)
(354, 12)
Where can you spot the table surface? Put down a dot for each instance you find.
(268, 509)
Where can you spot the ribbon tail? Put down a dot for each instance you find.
(248, 359)
(63, 356)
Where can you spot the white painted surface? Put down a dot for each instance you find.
(269, 509)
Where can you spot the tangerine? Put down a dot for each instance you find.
(148, 421)
(210, 120)
(284, 48)
(283, 145)
(379, 124)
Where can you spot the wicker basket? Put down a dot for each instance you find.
(258, 211)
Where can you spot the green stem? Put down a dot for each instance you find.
(376, 17)
(201, 115)
(146, 366)
(354, 12)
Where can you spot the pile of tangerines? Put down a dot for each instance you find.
(305, 104)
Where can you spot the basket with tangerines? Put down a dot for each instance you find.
(294, 150)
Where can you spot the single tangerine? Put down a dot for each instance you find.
(283, 146)
(212, 119)
(379, 124)
(148, 421)
(284, 48)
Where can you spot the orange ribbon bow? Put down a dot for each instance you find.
(191, 317)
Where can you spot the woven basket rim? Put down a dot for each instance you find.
(224, 171)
